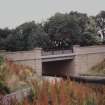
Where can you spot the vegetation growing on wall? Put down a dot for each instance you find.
(98, 69)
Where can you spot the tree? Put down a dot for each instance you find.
(4, 33)
(82, 20)
(88, 38)
(65, 30)
(60, 31)
(100, 21)
(26, 37)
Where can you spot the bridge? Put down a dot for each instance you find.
(48, 56)
(57, 63)
(75, 61)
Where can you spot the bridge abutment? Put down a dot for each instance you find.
(87, 57)
(31, 59)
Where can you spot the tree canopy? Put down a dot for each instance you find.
(60, 31)
(100, 24)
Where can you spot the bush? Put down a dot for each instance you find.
(14, 76)
(3, 88)
(1, 60)
(88, 38)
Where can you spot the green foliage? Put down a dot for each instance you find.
(60, 31)
(1, 60)
(3, 88)
(4, 34)
(100, 20)
(98, 69)
(65, 30)
(26, 37)
(88, 38)
(100, 24)
(90, 101)
(3, 70)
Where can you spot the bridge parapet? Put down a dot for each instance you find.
(56, 52)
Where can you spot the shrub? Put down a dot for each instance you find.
(3, 88)
(13, 75)
(1, 60)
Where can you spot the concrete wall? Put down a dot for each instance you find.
(84, 59)
(87, 57)
(29, 58)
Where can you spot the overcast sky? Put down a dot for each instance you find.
(15, 12)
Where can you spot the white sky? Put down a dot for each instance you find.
(15, 12)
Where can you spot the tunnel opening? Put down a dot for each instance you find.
(57, 68)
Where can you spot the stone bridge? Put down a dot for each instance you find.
(59, 63)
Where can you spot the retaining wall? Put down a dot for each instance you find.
(87, 57)
(28, 58)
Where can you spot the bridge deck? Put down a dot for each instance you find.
(56, 52)
(57, 55)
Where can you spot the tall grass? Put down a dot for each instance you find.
(64, 93)
(14, 76)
